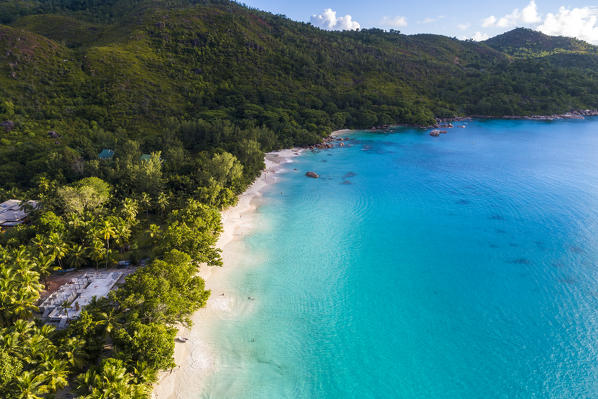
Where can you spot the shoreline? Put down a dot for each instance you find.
(340, 132)
(574, 115)
(196, 359)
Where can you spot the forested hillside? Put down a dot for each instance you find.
(527, 42)
(133, 122)
(137, 69)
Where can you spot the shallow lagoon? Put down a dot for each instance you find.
(459, 266)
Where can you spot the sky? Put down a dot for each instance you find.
(464, 19)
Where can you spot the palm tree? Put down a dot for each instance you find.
(108, 320)
(107, 231)
(122, 233)
(28, 282)
(19, 290)
(110, 381)
(55, 375)
(77, 255)
(73, 348)
(20, 255)
(97, 251)
(57, 245)
(130, 208)
(23, 327)
(154, 230)
(30, 385)
(39, 242)
(145, 201)
(44, 265)
(144, 373)
(162, 202)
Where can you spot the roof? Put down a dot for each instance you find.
(145, 157)
(106, 154)
(12, 213)
(78, 293)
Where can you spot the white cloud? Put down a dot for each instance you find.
(581, 23)
(491, 20)
(393, 22)
(479, 36)
(429, 20)
(329, 20)
(509, 19)
(463, 26)
(529, 15)
(577, 22)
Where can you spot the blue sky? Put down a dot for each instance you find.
(463, 19)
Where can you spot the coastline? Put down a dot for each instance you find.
(199, 359)
(340, 132)
(196, 359)
(573, 115)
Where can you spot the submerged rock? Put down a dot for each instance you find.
(520, 261)
(312, 174)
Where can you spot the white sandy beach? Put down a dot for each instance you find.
(341, 132)
(196, 359)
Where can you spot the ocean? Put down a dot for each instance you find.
(459, 266)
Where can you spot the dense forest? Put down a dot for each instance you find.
(134, 122)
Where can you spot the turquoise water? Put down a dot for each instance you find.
(463, 266)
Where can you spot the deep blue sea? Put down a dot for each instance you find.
(459, 266)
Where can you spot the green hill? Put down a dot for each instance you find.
(138, 68)
(527, 42)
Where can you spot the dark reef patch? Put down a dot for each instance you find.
(576, 250)
(567, 280)
(520, 261)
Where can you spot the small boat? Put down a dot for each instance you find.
(181, 339)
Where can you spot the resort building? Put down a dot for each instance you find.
(69, 300)
(106, 154)
(13, 213)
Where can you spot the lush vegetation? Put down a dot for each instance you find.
(118, 344)
(187, 96)
(527, 42)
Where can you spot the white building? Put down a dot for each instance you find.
(12, 212)
(69, 300)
